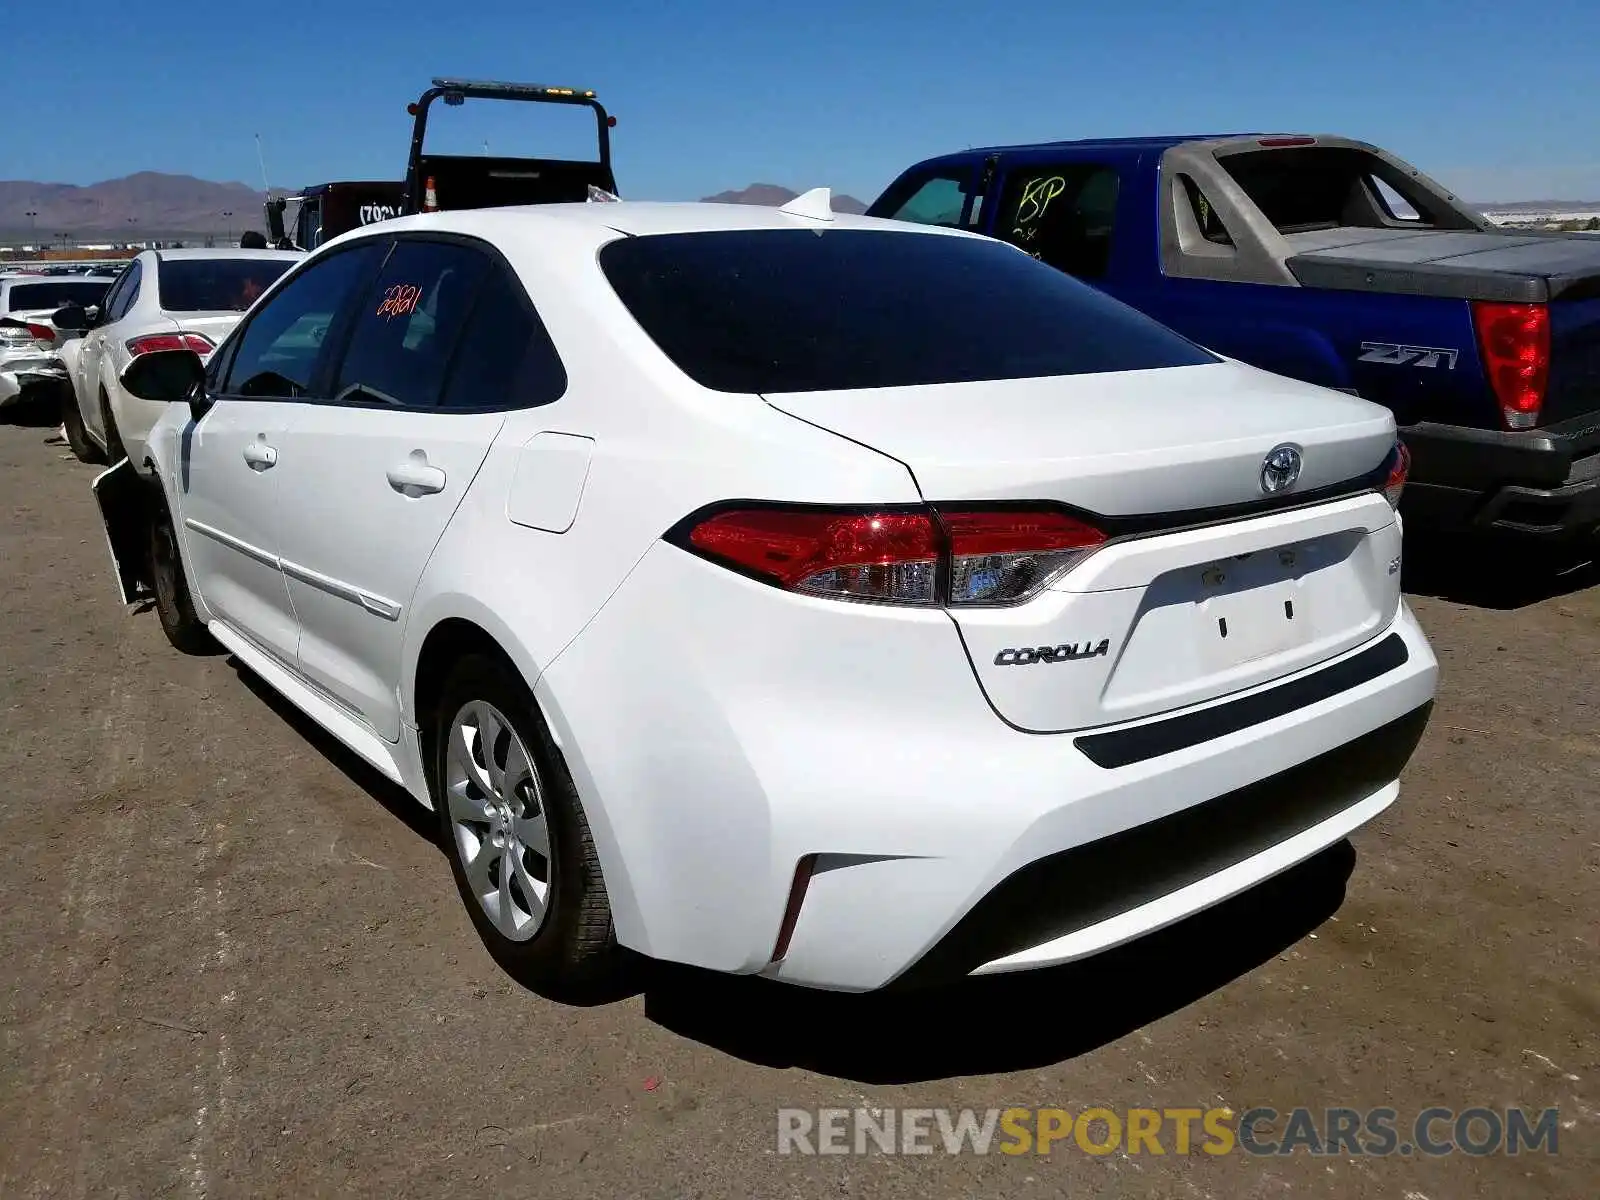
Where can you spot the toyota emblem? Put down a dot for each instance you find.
(1280, 469)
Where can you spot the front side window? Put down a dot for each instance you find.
(777, 310)
(280, 348)
(1063, 215)
(936, 200)
(404, 330)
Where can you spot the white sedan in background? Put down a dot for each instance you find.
(163, 300)
(837, 600)
(29, 341)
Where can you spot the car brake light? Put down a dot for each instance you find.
(918, 556)
(1399, 468)
(888, 556)
(1286, 141)
(41, 333)
(1515, 342)
(152, 342)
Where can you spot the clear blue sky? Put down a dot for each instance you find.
(1500, 100)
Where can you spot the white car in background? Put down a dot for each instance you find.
(29, 341)
(163, 300)
(837, 600)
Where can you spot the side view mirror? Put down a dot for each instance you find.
(73, 318)
(168, 375)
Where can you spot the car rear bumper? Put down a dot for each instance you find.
(1541, 484)
(17, 375)
(764, 735)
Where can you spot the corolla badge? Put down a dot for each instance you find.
(1280, 469)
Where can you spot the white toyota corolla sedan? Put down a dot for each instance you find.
(831, 599)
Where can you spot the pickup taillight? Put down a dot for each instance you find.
(1514, 340)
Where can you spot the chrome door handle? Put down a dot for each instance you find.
(259, 455)
(414, 477)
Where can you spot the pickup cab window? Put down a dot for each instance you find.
(929, 200)
(1063, 214)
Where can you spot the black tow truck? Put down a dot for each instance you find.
(434, 182)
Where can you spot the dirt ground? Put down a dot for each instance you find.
(234, 963)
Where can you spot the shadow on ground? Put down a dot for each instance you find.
(987, 1025)
(33, 412)
(1497, 575)
(973, 1026)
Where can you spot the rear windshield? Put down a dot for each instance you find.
(54, 294)
(796, 311)
(216, 284)
(1307, 188)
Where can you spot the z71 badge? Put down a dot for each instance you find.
(1066, 652)
(1394, 355)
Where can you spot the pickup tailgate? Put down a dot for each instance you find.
(1561, 270)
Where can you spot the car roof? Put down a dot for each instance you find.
(628, 218)
(214, 252)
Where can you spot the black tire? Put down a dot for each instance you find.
(574, 955)
(174, 604)
(115, 452)
(83, 449)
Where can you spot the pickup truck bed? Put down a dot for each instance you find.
(1331, 261)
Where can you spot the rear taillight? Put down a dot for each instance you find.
(152, 342)
(41, 333)
(1399, 468)
(909, 556)
(1003, 557)
(1514, 340)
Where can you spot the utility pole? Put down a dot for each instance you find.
(227, 215)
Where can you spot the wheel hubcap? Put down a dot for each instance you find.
(497, 820)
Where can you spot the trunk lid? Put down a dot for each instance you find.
(1184, 611)
(213, 325)
(1135, 442)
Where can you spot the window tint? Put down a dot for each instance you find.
(504, 358)
(53, 295)
(407, 325)
(926, 201)
(195, 285)
(280, 346)
(787, 311)
(127, 291)
(1063, 215)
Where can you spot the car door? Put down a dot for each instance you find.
(372, 477)
(230, 468)
(92, 350)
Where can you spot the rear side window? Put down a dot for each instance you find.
(1063, 215)
(405, 329)
(505, 359)
(935, 200)
(796, 310)
(193, 285)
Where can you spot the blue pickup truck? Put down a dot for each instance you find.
(1331, 261)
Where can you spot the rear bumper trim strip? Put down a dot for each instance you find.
(1123, 747)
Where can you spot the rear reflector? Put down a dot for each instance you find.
(791, 913)
(1514, 340)
(907, 556)
(1399, 468)
(150, 343)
